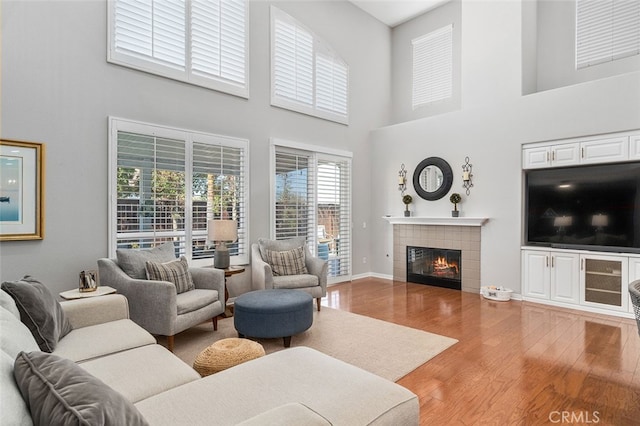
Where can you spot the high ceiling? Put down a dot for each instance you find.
(395, 12)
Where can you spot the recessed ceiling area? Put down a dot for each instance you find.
(396, 12)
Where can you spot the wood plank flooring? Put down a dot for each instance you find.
(516, 363)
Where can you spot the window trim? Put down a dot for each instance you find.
(319, 45)
(317, 153)
(117, 124)
(186, 76)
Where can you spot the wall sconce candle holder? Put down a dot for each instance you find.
(402, 179)
(466, 175)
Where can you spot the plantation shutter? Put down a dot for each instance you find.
(606, 30)
(153, 30)
(293, 61)
(151, 191)
(433, 66)
(218, 192)
(294, 201)
(331, 82)
(218, 39)
(334, 211)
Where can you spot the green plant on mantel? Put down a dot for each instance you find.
(455, 199)
(407, 199)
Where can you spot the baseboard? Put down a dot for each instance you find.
(372, 275)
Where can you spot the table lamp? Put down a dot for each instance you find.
(220, 231)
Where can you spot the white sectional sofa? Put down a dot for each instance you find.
(293, 386)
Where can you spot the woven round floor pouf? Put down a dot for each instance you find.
(226, 353)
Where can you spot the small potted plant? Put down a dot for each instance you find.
(455, 199)
(407, 199)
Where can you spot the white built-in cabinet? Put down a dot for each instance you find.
(574, 277)
(581, 151)
(581, 279)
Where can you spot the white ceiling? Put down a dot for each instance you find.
(395, 12)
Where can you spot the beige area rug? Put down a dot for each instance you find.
(383, 348)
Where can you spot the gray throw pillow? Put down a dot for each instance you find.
(176, 272)
(59, 392)
(40, 311)
(288, 262)
(279, 245)
(132, 261)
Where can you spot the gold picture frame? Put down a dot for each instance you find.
(21, 190)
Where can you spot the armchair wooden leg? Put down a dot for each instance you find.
(214, 320)
(170, 343)
(318, 303)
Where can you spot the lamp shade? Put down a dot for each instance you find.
(563, 221)
(222, 230)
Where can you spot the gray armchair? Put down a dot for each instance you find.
(155, 306)
(314, 283)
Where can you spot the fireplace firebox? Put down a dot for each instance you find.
(434, 266)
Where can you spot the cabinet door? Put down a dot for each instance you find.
(634, 147)
(565, 277)
(604, 281)
(565, 154)
(535, 271)
(535, 158)
(605, 150)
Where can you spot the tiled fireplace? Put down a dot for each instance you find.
(446, 234)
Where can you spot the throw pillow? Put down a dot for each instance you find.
(60, 392)
(176, 272)
(40, 311)
(289, 262)
(132, 261)
(279, 245)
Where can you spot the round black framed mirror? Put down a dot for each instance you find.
(432, 178)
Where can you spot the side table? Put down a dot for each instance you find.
(231, 270)
(77, 294)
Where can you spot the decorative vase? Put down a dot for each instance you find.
(407, 213)
(455, 213)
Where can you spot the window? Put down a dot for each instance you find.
(433, 66)
(312, 198)
(307, 76)
(166, 183)
(203, 42)
(606, 30)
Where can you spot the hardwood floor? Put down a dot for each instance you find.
(516, 363)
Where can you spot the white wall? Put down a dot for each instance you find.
(402, 54)
(494, 122)
(57, 88)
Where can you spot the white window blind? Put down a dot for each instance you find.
(294, 209)
(306, 74)
(313, 199)
(606, 30)
(203, 42)
(433, 66)
(166, 183)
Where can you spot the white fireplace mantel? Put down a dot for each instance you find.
(448, 221)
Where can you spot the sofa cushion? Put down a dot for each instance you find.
(288, 262)
(14, 409)
(9, 304)
(132, 261)
(195, 299)
(175, 272)
(296, 281)
(141, 372)
(292, 413)
(58, 391)
(103, 339)
(14, 335)
(40, 311)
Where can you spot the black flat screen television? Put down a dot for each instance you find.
(585, 207)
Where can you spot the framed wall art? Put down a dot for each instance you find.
(21, 190)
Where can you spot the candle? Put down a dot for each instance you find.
(465, 176)
(400, 180)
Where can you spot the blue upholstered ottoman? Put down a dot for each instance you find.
(273, 313)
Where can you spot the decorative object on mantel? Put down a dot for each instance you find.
(407, 199)
(455, 199)
(432, 178)
(402, 180)
(466, 175)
